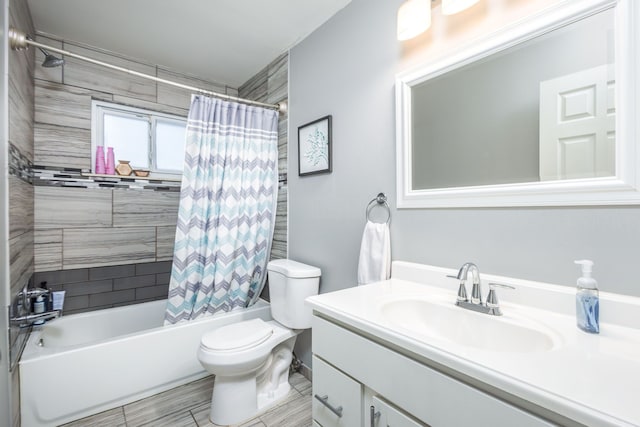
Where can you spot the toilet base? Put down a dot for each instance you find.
(239, 398)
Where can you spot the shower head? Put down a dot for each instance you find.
(50, 61)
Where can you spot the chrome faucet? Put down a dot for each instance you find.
(491, 306)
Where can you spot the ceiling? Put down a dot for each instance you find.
(225, 41)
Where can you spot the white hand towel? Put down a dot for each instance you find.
(375, 253)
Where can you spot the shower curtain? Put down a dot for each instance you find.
(227, 208)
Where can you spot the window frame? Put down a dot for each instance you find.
(98, 109)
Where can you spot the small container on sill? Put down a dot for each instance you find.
(124, 168)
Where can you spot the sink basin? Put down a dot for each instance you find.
(431, 321)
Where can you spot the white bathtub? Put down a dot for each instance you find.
(96, 361)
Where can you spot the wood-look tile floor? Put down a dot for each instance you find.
(189, 405)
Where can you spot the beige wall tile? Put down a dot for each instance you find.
(166, 237)
(63, 105)
(90, 76)
(47, 250)
(144, 207)
(62, 146)
(62, 207)
(178, 97)
(20, 207)
(91, 247)
(21, 260)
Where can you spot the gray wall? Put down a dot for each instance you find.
(347, 68)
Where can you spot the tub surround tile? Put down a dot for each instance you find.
(111, 418)
(75, 304)
(153, 267)
(65, 106)
(134, 282)
(62, 146)
(88, 288)
(152, 292)
(163, 278)
(62, 276)
(57, 207)
(181, 97)
(108, 246)
(21, 261)
(47, 249)
(87, 75)
(278, 78)
(156, 207)
(113, 272)
(20, 207)
(153, 106)
(182, 398)
(165, 241)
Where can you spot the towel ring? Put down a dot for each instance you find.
(379, 200)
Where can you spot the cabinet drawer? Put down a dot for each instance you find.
(387, 415)
(333, 389)
(429, 395)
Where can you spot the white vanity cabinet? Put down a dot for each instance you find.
(356, 372)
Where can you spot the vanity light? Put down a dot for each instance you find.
(414, 17)
(450, 7)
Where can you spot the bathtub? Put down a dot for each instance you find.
(91, 362)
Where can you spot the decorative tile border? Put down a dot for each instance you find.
(19, 165)
(71, 177)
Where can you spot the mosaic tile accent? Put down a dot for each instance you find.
(72, 177)
(19, 165)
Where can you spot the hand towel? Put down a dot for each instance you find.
(374, 263)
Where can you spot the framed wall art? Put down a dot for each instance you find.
(314, 147)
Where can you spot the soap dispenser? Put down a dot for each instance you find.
(587, 300)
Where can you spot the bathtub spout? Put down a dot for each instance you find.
(29, 319)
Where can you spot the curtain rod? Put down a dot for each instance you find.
(18, 40)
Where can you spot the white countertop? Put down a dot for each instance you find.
(592, 379)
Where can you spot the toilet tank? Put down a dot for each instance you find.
(290, 282)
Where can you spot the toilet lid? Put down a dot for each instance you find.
(238, 335)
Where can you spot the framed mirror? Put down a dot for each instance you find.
(542, 113)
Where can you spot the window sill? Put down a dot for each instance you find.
(133, 177)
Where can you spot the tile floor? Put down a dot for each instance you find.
(189, 405)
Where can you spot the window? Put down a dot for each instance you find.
(148, 139)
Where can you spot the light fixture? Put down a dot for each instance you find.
(414, 17)
(449, 7)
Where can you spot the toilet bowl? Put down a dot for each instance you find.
(250, 359)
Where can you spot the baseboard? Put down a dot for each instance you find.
(305, 371)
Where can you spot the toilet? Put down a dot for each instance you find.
(250, 359)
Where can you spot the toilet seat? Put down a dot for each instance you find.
(237, 336)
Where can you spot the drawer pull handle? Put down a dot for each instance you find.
(373, 415)
(325, 401)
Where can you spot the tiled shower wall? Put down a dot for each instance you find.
(271, 85)
(85, 229)
(20, 94)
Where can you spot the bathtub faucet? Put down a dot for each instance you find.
(22, 315)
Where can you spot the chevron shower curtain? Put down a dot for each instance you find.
(227, 208)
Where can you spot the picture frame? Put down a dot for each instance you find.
(314, 147)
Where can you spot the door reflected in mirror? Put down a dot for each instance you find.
(542, 110)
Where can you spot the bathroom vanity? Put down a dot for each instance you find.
(401, 353)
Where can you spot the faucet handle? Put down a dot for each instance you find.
(462, 290)
(492, 298)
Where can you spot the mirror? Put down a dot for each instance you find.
(524, 118)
